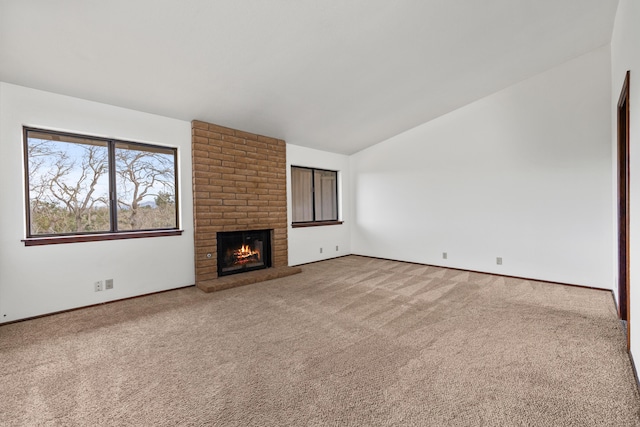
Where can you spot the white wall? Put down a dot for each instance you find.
(44, 279)
(305, 243)
(524, 174)
(626, 56)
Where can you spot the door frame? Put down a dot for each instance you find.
(623, 205)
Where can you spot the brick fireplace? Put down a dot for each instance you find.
(239, 184)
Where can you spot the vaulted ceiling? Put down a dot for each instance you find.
(336, 75)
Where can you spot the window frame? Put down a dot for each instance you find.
(314, 222)
(92, 236)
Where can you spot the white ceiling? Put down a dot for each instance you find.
(336, 75)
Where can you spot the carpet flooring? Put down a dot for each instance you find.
(352, 341)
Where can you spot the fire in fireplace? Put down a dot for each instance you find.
(240, 251)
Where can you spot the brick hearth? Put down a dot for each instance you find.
(239, 183)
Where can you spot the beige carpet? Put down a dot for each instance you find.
(349, 342)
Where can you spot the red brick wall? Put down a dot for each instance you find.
(239, 183)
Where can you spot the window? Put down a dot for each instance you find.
(314, 196)
(80, 185)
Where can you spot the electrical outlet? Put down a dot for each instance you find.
(108, 284)
(444, 255)
(98, 286)
(336, 248)
(320, 250)
(499, 260)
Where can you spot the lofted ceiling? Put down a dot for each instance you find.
(336, 75)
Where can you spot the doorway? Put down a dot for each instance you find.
(623, 206)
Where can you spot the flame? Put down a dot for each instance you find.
(245, 254)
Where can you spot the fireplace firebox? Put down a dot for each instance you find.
(241, 251)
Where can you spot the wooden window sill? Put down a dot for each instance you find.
(314, 224)
(78, 238)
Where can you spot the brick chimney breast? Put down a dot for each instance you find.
(239, 184)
